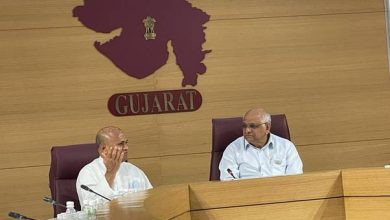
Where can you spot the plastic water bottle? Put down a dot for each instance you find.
(86, 205)
(92, 209)
(61, 216)
(89, 209)
(82, 215)
(70, 207)
(70, 212)
(86, 208)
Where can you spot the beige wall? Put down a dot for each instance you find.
(323, 63)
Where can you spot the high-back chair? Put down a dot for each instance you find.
(66, 162)
(226, 130)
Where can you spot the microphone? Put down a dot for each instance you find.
(53, 202)
(231, 173)
(18, 216)
(84, 187)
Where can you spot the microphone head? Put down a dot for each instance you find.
(84, 187)
(49, 200)
(230, 172)
(15, 215)
(53, 202)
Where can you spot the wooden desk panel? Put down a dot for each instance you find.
(366, 182)
(164, 202)
(314, 209)
(266, 190)
(367, 208)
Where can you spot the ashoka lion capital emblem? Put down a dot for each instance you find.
(149, 28)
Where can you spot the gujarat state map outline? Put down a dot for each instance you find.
(146, 27)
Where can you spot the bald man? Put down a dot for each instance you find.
(259, 153)
(109, 174)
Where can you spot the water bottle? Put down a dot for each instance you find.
(82, 215)
(70, 211)
(61, 216)
(86, 208)
(70, 207)
(92, 209)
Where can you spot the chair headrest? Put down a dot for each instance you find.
(226, 130)
(67, 161)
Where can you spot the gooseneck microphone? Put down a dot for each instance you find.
(53, 202)
(18, 216)
(231, 173)
(84, 187)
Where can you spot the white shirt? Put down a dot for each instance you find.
(278, 157)
(129, 178)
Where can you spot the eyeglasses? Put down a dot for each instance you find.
(123, 143)
(252, 125)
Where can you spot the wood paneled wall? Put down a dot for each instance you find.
(323, 63)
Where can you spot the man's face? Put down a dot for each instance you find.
(118, 140)
(254, 130)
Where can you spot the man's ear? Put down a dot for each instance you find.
(268, 125)
(101, 148)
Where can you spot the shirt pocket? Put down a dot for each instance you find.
(279, 166)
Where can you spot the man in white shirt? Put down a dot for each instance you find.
(110, 175)
(259, 153)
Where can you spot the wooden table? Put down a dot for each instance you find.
(362, 193)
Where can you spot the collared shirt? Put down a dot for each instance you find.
(129, 178)
(278, 157)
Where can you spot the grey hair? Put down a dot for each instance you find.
(266, 117)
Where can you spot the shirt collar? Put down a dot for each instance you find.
(270, 142)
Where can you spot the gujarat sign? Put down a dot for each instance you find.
(141, 47)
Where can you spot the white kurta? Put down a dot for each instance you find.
(129, 178)
(278, 157)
